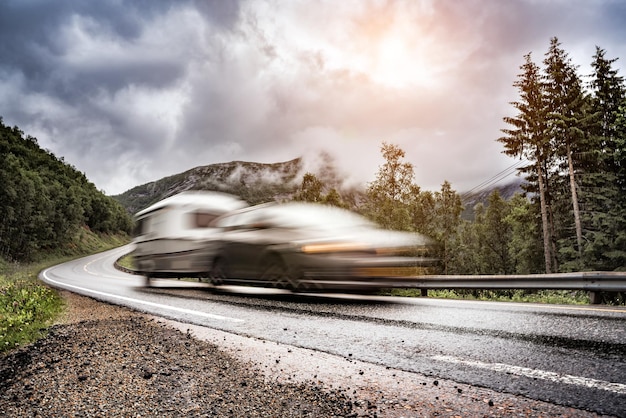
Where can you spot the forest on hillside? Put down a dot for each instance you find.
(44, 201)
(569, 141)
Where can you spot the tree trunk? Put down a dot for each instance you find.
(579, 229)
(547, 251)
(553, 240)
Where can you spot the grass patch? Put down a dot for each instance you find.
(27, 306)
(557, 297)
(127, 261)
(85, 242)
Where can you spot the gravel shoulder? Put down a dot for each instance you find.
(104, 360)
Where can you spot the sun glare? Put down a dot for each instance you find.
(395, 58)
(398, 65)
(389, 46)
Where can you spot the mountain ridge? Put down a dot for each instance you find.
(251, 181)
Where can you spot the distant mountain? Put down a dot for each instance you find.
(471, 199)
(252, 182)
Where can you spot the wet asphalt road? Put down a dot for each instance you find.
(572, 356)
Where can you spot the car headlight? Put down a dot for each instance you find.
(334, 247)
(421, 251)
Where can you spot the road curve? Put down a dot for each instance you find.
(568, 355)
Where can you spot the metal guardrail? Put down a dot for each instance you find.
(593, 281)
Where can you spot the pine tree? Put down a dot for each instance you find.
(497, 235)
(528, 138)
(447, 219)
(525, 249)
(468, 245)
(310, 189)
(604, 181)
(565, 101)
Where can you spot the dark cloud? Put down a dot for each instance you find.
(33, 42)
(218, 12)
(30, 29)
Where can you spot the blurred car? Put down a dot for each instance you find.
(311, 247)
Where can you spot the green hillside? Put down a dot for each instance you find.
(44, 201)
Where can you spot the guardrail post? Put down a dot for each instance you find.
(424, 292)
(595, 298)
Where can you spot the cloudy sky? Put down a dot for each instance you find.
(130, 91)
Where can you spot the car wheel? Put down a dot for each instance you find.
(277, 274)
(217, 275)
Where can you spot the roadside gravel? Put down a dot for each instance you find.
(103, 360)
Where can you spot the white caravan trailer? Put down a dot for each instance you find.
(174, 237)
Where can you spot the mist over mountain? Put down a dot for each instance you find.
(253, 182)
(260, 182)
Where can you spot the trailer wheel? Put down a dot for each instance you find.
(217, 274)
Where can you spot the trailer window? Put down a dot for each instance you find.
(140, 227)
(202, 219)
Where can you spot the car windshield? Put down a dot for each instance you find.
(314, 217)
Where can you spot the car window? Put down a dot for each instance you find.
(294, 216)
(318, 217)
(237, 220)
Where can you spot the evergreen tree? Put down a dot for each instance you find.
(496, 235)
(468, 246)
(333, 198)
(604, 181)
(310, 189)
(529, 138)
(525, 246)
(608, 95)
(575, 142)
(447, 219)
(565, 102)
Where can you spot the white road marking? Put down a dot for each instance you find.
(538, 374)
(142, 302)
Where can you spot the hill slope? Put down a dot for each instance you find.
(44, 201)
(253, 182)
(507, 191)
